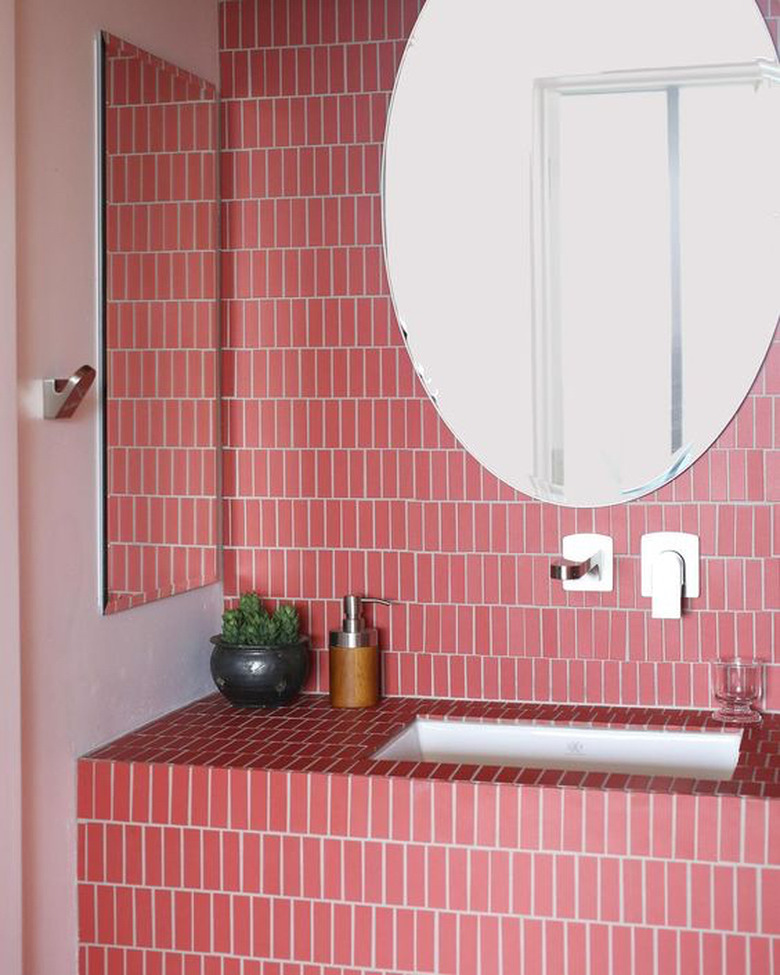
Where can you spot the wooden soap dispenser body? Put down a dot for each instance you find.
(355, 672)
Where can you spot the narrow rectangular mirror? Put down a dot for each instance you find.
(160, 327)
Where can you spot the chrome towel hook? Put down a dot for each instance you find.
(61, 397)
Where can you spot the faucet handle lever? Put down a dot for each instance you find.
(670, 571)
(668, 575)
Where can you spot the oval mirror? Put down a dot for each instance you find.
(582, 231)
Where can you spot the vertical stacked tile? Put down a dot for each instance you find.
(339, 475)
(238, 872)
(161, 327)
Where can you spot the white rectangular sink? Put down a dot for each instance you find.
(690, 754)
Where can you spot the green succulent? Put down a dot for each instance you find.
(252, 625)
(231, 626)
(249, 603)
(286, 618)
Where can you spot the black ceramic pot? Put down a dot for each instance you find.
(252, 677)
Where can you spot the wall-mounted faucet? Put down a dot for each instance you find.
(566, 569)
(586, 563)
(670, 570)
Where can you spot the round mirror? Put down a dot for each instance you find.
(582, 231)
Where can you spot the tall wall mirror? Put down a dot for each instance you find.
(582, 231)
(159, 205)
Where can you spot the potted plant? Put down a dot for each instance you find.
(260, 659)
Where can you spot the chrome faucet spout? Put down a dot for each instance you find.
(569, 569)
(585, 563)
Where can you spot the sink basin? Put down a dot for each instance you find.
(691, 754)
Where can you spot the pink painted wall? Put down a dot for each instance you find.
(85, 678)
(10, 711)
(340, 477)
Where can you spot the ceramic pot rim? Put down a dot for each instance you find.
(219, 641)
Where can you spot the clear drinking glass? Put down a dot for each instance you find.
(738, 686)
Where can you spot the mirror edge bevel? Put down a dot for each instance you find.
(101, 294)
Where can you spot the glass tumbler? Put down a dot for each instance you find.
(738, 686)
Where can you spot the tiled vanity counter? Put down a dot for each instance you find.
(220, 841)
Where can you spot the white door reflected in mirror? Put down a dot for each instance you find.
(582, 237)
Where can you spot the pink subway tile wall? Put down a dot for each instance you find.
(161, 327)
(213, 871)
(338, 474)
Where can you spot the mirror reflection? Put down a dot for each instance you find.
(631, 173)
(160, 327)
(582, 237)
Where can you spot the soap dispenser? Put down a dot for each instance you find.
(354, 658)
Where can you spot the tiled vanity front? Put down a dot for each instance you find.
(220, 841)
